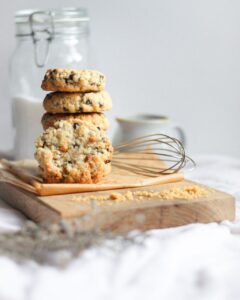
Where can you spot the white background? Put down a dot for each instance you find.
(180, 58)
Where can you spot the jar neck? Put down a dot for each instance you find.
(29, 37)
(56, 33)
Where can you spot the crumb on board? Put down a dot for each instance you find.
(187, 192)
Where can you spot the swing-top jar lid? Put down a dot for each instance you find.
(57, 21)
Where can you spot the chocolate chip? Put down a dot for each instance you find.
(101, 77)
(89, 102)
(69, 162)
(98, 128)
(65, 109)
(100, 104)
(107, 161)
(70, 77)
(76, 125)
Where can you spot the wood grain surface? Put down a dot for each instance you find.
(126, 215)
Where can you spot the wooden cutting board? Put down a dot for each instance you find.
(126, 215)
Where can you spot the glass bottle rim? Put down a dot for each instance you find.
(66, 14)
(63, 20)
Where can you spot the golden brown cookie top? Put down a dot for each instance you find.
(63, 102)
(69, 80)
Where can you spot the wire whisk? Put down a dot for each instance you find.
(152, 155)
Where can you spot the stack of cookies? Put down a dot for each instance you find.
(74, 147)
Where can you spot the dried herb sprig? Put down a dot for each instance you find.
(57, 244)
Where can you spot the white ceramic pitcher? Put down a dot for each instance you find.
(145, 124)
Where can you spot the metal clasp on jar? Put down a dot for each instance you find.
(42, 32)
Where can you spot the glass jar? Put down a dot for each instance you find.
(45, 39)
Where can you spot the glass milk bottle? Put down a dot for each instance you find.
(45, 39)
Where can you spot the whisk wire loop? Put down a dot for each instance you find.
(159, 154)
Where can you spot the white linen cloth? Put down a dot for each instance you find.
(198, 261)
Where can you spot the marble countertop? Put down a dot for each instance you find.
(198, 261)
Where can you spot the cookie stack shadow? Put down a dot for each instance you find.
(74, 116)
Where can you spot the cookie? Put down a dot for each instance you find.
(97, 119)
(67, 80)
(58, 102)
(73, 152)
